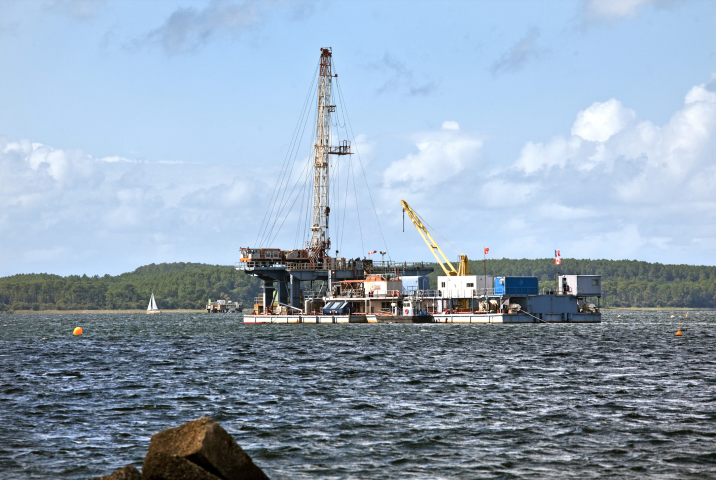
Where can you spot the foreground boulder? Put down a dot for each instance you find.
(125, 473)
(161, 466)
(203, 443)
(196, 450)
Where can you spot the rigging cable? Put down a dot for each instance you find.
(343, 103)
(278, 214)
(269, 231)
(274, 196)
(355, 192)
(289, 211)
(345, 203)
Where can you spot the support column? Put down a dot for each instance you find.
(295, 293)
(268, 294)
(283, 292)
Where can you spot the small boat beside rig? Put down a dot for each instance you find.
(223, 306)
(308, 285)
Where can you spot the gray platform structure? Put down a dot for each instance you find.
(285, 279)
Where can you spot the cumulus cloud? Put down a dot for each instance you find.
(615, 186)
(602, 120)
(63, 208)
(637, 186)
(441, 155)
(520, 54)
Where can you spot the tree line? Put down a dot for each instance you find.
(625, 283)
(175, 286)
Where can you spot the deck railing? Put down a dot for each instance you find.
(376, 266)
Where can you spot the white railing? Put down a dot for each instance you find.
(376, 266)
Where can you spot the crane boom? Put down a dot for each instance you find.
(434, 248)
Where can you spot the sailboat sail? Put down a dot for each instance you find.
(152, 307)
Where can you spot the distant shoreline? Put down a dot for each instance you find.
(183, 310)
(40, 312)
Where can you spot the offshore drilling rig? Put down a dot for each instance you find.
(282, 271)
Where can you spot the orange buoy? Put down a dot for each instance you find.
(679, 334)
(78, 331)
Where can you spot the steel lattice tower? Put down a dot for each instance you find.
(319, 243)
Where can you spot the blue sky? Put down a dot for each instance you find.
(140, 132)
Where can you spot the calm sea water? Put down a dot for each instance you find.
(625, 398)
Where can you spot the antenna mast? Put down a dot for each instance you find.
(320, 243)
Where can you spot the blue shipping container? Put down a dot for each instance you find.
(516, 286)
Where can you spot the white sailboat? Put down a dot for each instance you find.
(152, 307)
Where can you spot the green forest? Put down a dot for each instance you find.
(175, 286)
(625, 283)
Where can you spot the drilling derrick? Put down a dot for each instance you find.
(284, 271)
(320, 243)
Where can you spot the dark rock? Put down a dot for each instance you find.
(205, 443)
(125, 473)
(160, 466)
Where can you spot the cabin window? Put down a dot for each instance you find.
(470, 285)
(443, 284)
(595, 282)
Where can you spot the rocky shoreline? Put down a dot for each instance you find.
(197, 450)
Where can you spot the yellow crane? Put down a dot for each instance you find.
(463, 267)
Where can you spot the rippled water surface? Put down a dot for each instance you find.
(625, 398)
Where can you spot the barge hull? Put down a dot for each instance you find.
(505, 318)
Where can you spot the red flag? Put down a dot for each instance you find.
(557, 260)
(486, 250)
(374, 251)
(558, 254)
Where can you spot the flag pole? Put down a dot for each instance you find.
(484, 265)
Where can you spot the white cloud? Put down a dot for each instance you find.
(623, 186)
(616, 186)
(441, 155)
(613, 10)
(602, 120)
(557, 152)
(64, 211)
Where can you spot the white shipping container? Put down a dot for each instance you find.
(465, 287)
